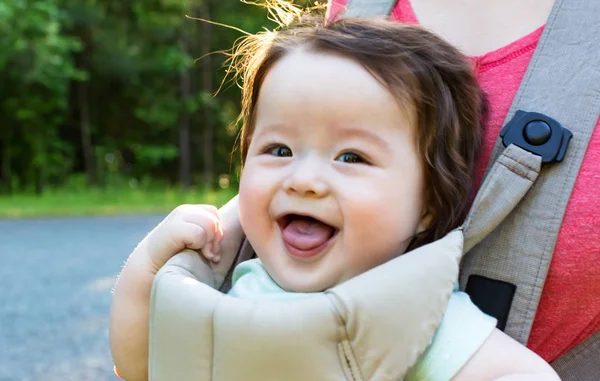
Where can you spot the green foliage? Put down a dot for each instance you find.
(37, 69)
(112, 71)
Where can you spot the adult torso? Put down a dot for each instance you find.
(501, 37)
(478, 27)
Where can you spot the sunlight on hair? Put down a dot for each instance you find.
(248, 51)
(281, 12)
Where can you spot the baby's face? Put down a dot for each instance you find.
(333, 184)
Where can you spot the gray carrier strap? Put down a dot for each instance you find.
(510, 178)
(244, 253)
(581, 363)
(563, 82)
(368, 8)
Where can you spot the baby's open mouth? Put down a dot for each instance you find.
(305, 236)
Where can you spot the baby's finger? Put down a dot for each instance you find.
(207, 252)
(209, 222)
(211, 209)
(198, 210)
(218, 237)
(193, 236)
(170, 238)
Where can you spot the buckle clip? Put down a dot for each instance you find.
(538, 134)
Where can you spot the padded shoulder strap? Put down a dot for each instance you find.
(371, 327)
(563, 82)
(368, 8)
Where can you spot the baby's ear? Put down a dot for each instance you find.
(425, 223)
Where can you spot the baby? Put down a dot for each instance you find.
(358, 145)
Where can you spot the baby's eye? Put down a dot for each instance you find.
(350, 158)
(280, 151)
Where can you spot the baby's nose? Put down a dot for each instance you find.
(307, 180)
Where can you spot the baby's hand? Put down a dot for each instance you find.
(195, 227)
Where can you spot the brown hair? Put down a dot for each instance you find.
(419, 68)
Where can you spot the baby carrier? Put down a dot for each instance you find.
(375, 326)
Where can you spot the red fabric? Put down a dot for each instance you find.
(569, 309)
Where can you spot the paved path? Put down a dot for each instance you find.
(55, 281)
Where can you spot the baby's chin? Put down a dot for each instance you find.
(305, 285)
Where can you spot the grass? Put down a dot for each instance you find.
(94, 202)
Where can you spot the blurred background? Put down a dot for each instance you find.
(108, 120)
(106, 102)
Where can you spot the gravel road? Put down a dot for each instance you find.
(55, 281)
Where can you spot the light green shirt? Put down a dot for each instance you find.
(463, 330)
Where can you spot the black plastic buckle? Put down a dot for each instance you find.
(538, 134)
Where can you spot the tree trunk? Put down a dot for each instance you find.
(208, 132)
(87, 148)
(185, 160)
(86, 134)
(39, 179)
(5, 168)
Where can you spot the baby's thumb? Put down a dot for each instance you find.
(207, 252)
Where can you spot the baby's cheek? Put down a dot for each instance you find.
(380, 227)
(250, 203)
(251, 187)
(256, 195)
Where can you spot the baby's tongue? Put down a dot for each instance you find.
(306, 233)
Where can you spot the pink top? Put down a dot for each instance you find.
(569, 310)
